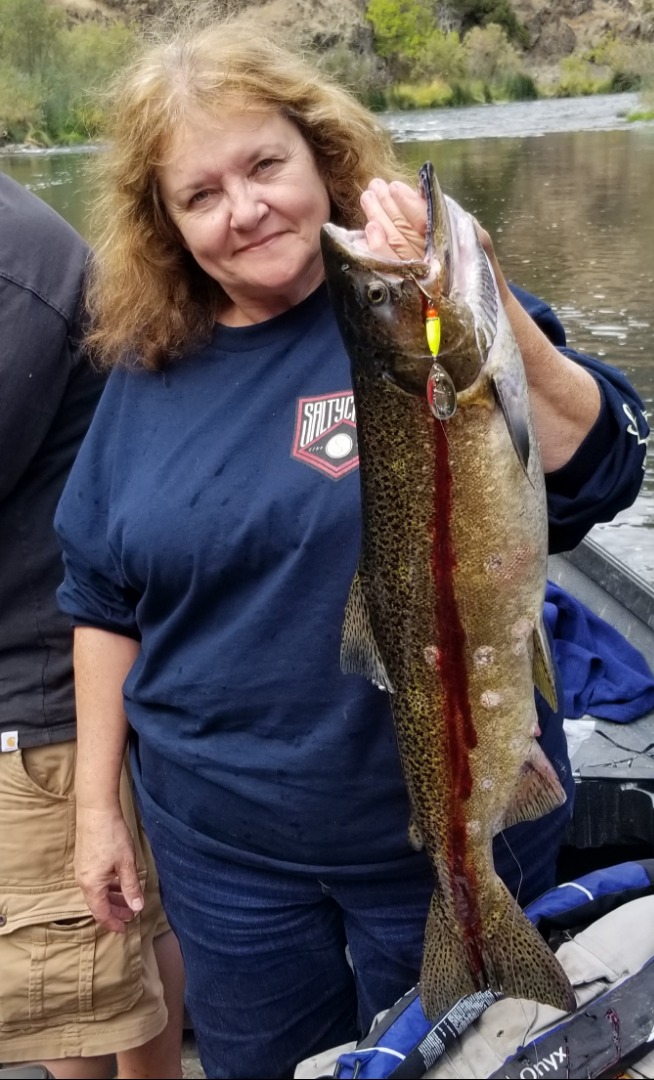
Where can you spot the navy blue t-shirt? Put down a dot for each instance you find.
(213, 514)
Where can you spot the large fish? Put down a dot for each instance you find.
(445, 611)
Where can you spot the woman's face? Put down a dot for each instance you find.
(247, 199)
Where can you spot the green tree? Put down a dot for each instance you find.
(441, 56)
(489, 54)
(50, 73)
(20, 104)
(73, 96)
(400, 28)
(631, 63)
(30, 35)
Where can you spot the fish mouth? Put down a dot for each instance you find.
(351, 246)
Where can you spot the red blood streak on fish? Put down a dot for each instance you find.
(451, 649)
(457, 713)
(464, 894)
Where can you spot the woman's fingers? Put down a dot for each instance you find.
(397, 223)
(130, 886)
(105, 867)
(397, 219)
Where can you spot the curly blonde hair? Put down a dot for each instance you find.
(146, 295)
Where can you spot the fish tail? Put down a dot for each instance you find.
(505, 953)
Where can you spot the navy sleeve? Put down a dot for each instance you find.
(606, 473)
(94, 591)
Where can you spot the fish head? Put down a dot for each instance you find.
(379, 309)
(386, 308)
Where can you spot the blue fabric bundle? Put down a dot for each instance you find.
(603, 675)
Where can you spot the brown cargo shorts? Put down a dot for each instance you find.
(68, 988)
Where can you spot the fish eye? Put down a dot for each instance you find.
(377, 292)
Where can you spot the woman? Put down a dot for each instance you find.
(210, 541)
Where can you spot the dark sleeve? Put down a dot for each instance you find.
(42, 266)
(605, 474)
(94, 591)
(35, 366)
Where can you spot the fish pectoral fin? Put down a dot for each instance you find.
(359, 651)
(538, 790)
(543, 667)
(502, 952)
(514, 409)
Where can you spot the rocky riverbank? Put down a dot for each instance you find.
(554, 30)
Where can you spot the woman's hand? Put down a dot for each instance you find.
(105, 867)
(397, 220)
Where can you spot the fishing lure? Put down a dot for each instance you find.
(433, 329)
(441, 392)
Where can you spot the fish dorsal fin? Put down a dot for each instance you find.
(543, 667)
(514, 409)
(359, 652)
(537, 791)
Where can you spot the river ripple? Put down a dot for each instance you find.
(515, 119)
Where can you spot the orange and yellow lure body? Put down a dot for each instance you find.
(433, 329)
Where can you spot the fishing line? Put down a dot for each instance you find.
(517, 895)
(528, 1022)
(443, 424)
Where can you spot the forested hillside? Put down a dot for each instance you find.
(553, 29)
(56, 55)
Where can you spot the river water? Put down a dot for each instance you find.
(565, 189)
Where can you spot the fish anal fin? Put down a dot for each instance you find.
(513, 959)
(359, 651)
(543, 667)
(537, 792)
(513, 403)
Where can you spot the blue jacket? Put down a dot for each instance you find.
(213, 513)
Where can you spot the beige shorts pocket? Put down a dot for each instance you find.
(67, 969)
(37, 810)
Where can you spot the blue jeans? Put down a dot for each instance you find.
(268, 978)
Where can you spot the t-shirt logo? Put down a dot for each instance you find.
(326, 434)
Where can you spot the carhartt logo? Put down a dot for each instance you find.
(326, 434)
(8, 741)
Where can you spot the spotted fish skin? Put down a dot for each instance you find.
(445, 610)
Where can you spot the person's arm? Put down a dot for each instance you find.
(42, 264)
(35, 366)
(565, 398)
(105, 866)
